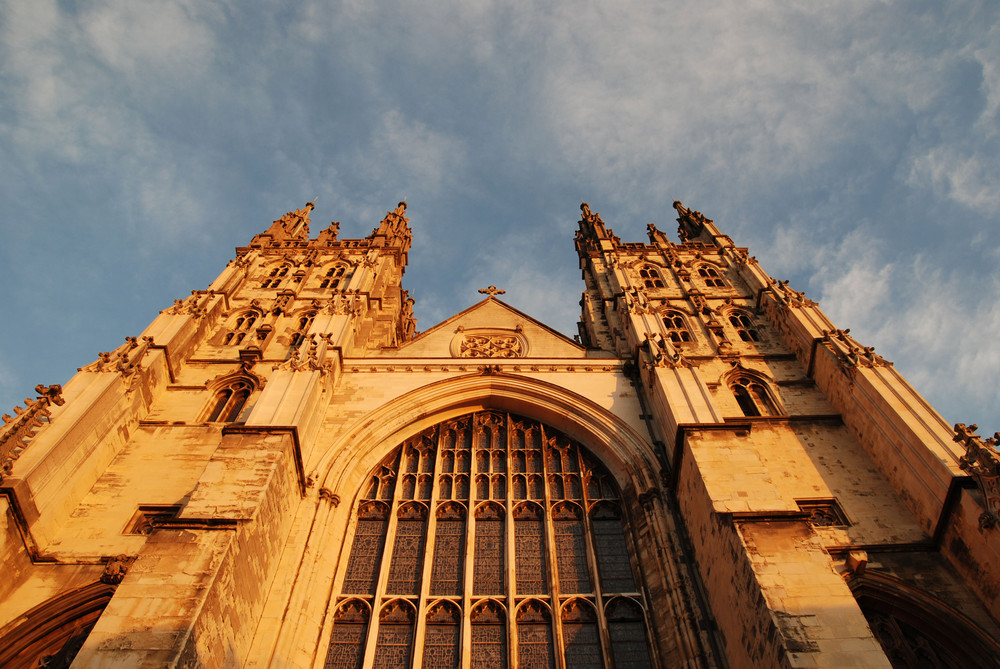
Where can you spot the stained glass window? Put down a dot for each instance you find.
(534, 636)
(561, 506)
(629, 645)
(442, 637)
(366, 551)
(449, 549)
(395, 636)
(347, 645)
(489, 636)
(489, 569)
(571, 550)
(581, 638)
(529, 550)
(612, 554)
(407, 551)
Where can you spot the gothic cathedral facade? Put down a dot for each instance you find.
(282, 472)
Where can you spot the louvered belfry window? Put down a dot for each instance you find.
(497, 529)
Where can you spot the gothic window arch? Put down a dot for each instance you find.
(240, 328)
(303, 322)
(754, 395)
(333, 276)
(528, 543)
(229, 399)
(347, 647)
(274, 277)
(651, 277)
(744, 325)
(916, 629)
(711, 277)
(676, 327)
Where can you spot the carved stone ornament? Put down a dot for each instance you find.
(664, 353)
(125, 360)
(982, 462)
(850, 352)
(17, 431)
(188, 306)
(789, 297)
(489, 344)
(115, 569)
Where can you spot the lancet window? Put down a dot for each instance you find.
(529, 547)
(651, 277)
(711, 277)
(753, 396)
(229, 400)
(333, 276)
(274, 277)
(239, 328)
(302, 325)
(677, 331)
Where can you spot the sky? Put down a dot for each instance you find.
(852, 145)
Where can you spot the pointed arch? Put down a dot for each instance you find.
(442, 636)
(743, 323)
(350, 627)
(55, 629)
(240, 328)
(712, 276)
(675, 323)
(628, 457)
(581, 635)
(916, 628)
(650, 276)
(546, 546)
(754, 393)
(230, 394)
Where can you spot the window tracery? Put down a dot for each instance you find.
(677, 331)
(442, 637)
(241, 325)
(347, 647)
(229, 400)
(537, 562)
(711, 277)
(302, 325)
(753, 396)
(744, 326)
(395, 636)
(650, 277)
(333, 276)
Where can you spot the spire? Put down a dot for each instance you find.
(292, 226)
(593, 234)
(393, 230)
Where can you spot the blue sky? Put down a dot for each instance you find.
(854, 146)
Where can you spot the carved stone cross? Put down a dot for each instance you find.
(492, 291)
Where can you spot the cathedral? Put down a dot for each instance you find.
(282, 471)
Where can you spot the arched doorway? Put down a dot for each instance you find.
(494, 529)
(918, 630)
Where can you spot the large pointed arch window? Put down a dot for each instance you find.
(528, 545)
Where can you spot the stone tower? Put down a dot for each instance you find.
(280, 471)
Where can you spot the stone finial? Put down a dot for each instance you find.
(492, 291)
(982, 462)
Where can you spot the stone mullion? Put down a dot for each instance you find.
(468, 563)
(555, 596)
(430, 532)
(595, 575)
(383, 572)
(509, 536)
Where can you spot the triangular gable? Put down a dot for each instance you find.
(490, 328)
